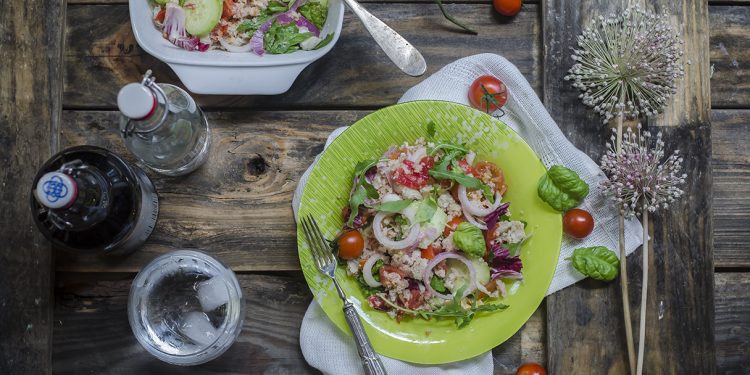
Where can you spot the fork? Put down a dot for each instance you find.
(326, 263)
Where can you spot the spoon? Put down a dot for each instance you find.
(398, 49)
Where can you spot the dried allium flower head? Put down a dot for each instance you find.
(627, 64)
(638, 173)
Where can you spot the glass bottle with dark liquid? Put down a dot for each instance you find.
(88, 199)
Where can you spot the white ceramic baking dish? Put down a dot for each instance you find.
(226, 73)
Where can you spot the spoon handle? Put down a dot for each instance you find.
(398, 49)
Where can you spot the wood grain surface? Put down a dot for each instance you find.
(730, 138)
(732, 305)
(30, 104)
(730, 56)
(680, 340)
(355, 74)
(92, 334)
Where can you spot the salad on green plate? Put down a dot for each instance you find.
(416, 199)
(257, 26)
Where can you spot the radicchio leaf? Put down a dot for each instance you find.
(492, 219)
(502, 264)
(174, 30)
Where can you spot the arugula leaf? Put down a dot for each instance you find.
(362, 191)
(395, 206)
(438, 284)
(281, 39)
(376, 269)
(357, 199)
(447, 146)
(276, 7)
(431, 129)
(441, 171)
(324, 42)
(561, 188)
(315, 12)
(400, 220)
(597, 262)
(426, 210)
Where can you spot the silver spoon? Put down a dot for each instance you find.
(400, 51)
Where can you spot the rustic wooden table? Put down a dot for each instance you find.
(62, 65)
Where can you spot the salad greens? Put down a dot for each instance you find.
(451, 157)
(597, 262)
(426, 210)
(394, 206)
(469, 239)
(284, 38)
(561, 188)
(315, 12)
(362, 189)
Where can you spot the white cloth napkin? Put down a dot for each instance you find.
(524, 113)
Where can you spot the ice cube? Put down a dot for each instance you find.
(212, 293)
(196, 326)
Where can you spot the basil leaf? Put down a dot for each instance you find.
(469, 239)
(426, 210)
(438, 284)
(596, 262)
(561, 188)
(431, 129)
(395, 206)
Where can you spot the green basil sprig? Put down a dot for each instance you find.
(561, 188)
(596, 262)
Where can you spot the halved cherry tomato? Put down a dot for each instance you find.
(488, 94)
(350, 244)
(409, 177)
(226, 11)
(578, 223)
(429, 252)
(489, 172)
(451, 225)
(507, 7)
(160, 16)
(531, 369)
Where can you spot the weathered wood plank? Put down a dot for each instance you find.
(98, 64)
(30, 106)
(730, 56)
(681, 274)
(238, 205)
(730, 139)
(92, 335)
(732, 305)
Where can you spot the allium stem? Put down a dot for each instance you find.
(644, 290)
(623, 261)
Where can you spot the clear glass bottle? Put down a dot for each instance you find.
(88, 199)
(163, 127)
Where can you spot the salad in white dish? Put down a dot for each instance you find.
(427, 235)
(243, 26)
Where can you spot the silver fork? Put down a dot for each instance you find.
(326, 263)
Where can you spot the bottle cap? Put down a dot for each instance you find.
(56, 190)
(136, 101)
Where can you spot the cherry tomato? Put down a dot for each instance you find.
(578, 223)
(489, 172)
(451, 225)
(488, 93)
(160, 16)
(410, 177)
(531, 369)
(350, 244)
(507, 7)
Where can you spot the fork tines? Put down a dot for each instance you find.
(319, 249)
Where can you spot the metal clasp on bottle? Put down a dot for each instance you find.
(150, 82)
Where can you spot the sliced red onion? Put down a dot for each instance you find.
(367, 271)
(475, 208)
(174, 22)
(472, 220)
(417, 156)
(233, 48)
(501, 288)
(427, 274)
(483, 289)
(470, 158)
(377, 230)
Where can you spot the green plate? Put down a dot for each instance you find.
(326, 193)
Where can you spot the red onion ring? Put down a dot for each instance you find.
(377, 230)
(476, 209)
(367, 271)
(472, 220)
(449, 255)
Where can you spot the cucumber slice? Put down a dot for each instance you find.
(201, 16)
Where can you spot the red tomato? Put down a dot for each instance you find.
(531, 369)
(226, 11)
(429, 252)
(160, 16)
(451, 226)
(507, 7)
(578, 223)
(390, 269)
(489, 172)
(465, 166)
(350, 244)
(488, 93)
(409, 177)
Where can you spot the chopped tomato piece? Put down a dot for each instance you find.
(465, 166)
(160, 16)
(226, 11)
(489, 172)
(429, 252)
(412, 177)
(451, 226)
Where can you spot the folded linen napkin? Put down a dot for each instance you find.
(524, 113)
